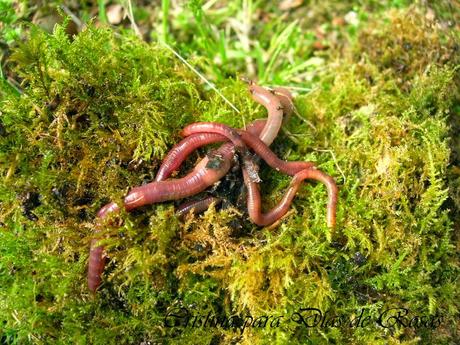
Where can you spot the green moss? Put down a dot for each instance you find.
(98, 113)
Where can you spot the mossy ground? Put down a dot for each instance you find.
(99, 110)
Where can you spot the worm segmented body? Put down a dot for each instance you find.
(200, 178)
(96, 253)
(300, 171)
(259, 147)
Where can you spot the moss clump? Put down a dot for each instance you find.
(407, 46)
(99, 111)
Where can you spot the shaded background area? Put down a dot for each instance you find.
(90, 106)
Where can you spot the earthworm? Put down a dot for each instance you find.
(263, 219)
(194, 182)
(274, 101)
(201, 176)
(96, 253)
(199, 179)
(274, 108)
(196, 206)
(230, 133)
(262, 150)
(95, 266)
(182, 150)
(259, 147)
(186, 146)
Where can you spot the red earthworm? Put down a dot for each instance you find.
(271, 126)
(95, 266)
(96, 253)
(274, 108)
(180, 151)
(196, 206)
(199, 179)
(263, 219)
(261, 149)
(218, 128)
(194, 182)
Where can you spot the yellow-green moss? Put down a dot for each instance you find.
(98, 113)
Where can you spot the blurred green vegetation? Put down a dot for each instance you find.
(88, 110)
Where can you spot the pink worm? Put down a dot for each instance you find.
(275, 110)
(179, 153)
(274, 101)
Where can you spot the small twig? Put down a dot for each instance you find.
(335, 162)
(292, 87)
(296, 113)
(290, 135)
(14, 84)
(72, 16)
(131, 19)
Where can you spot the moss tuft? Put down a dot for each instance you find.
(100, 110)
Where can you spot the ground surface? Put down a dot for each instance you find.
(91, 100)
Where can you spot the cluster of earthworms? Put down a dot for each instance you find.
(236, 143)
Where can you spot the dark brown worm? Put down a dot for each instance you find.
(196, 206)
(263, 219)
